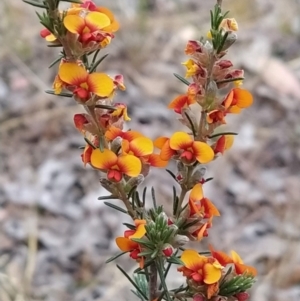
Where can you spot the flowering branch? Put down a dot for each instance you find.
(125, 158)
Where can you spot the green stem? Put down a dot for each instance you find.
(160, 268)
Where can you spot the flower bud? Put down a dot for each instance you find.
(231, 38)
(107, 184)
(180, 241)
(168, 250)
(134, 182)
(198, 298)
(242, 296)
(116, 144)
(163, 217)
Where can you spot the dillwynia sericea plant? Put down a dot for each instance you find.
(124, 158)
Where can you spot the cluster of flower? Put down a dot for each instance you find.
(125, 157)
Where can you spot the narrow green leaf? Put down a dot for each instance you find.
(36, 4)
(191, 124)
(95, 65)
(222, 134)
(132, 282)
(89, 142)
(188, 225)
(60, 94)
(208, 179)
(106, 107)
(72, 1)
(182, 79)
(167, 269)
(115, 207)
(95, 56)
(144, 242)
(174, 260)
(160, 268)
(115, 257)
(171, 174)
(131, 227)
(153, 198)
(55, 61)
(144, 196)
(137, 294)
(222, 42)
(229, 80)
(146, 265)
(175, 201)
(107, 197)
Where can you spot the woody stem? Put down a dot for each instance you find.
(125, 200)
(153, 282)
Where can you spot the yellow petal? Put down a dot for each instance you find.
(112, 133)
(210, 208)
(243, 97)
(140, 232)
(166, 152)
(234, 110)
(220, 256)
(192, 260)
(180, 140)
(141, 146)
(125, 244)
(236, 257)
(229, 139)
(159, 142)
(130, 165)
(156, 161)
(244, 269)
(97, 19)
(74, 23)
(130, 135)
(203, 152)
(179, 102)
(113, 27)
(100, 84)
(50, 38)
(211, 273)
(72, 74)
(103, 160)
(196, 193)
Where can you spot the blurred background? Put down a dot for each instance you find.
(55, 235)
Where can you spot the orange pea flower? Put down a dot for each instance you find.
(121, 111)
(47, 35)
(182, 145)
(114, 132)
(200, 205)
(235, 259)
(90, 27)
(200, 269)
(114, 165)
(84, 84)
(125, 243)
(183, 101)
(142, 147)
(225, 142)
(91, 6)
(236, 100)
(180, 102)
(193, 68)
